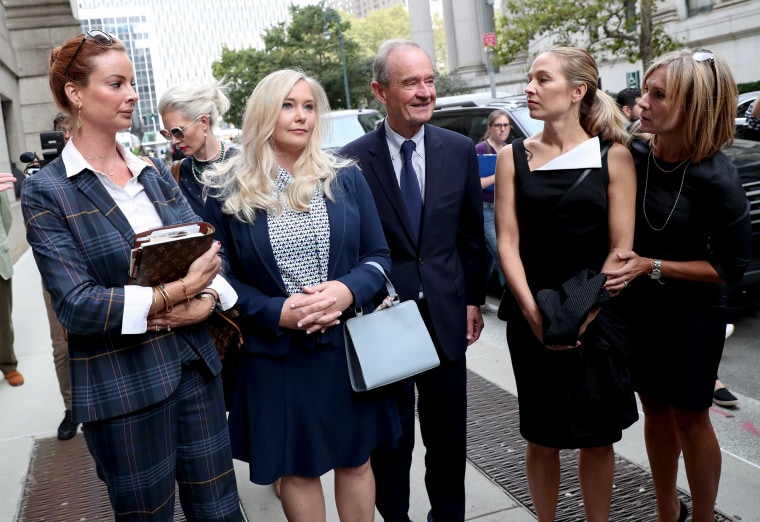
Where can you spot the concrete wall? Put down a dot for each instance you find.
(31, 29)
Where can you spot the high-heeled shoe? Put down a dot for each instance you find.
(683, 512)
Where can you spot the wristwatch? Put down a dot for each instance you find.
(656, 272)
(210, 297)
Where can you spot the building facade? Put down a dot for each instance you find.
(728, 27)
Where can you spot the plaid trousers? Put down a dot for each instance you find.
(183, 439)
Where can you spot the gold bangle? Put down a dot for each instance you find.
(167, 300)
(187, 297)
(154, 306)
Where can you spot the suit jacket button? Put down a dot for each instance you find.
(421, 261)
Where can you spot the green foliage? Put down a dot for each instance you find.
(378, 26)
(300, 45)
(749, 87)
(451, 84)
(603, 27)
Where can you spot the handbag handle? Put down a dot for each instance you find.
(394, 299)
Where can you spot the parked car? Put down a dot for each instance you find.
(347, 125)
(471, 118)
(742, 131)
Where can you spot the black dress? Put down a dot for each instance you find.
(581, 397)
(690, 213)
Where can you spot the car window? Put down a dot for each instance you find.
(346, 128)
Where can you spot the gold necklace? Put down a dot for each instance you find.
(216, 154)
(197, 170)
(678, 196)
(662, 169)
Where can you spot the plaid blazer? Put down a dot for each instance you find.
(81, 242)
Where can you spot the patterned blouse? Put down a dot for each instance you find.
(300, 240)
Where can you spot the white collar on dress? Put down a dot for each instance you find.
(584, 156)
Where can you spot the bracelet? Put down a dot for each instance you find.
(187, 297)
(208, 295)
(154, 307)
(167, 300)
(163, 296)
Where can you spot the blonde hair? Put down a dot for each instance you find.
(707, 93)
(245, 183)
(193, 100)
(599, 114)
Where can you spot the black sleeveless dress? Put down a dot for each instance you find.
(581, 397)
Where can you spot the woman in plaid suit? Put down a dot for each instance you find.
(144, 371)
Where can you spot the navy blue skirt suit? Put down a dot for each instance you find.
(294, 412)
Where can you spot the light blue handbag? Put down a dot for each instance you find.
(389, 344)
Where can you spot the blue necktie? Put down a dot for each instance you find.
(410, 187)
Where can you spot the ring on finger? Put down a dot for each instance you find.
(156, 325)
(625, 284)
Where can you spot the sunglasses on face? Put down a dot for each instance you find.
(104, 39)
(501, 125)
(178, 132)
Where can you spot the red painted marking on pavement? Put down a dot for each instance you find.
(752, 429)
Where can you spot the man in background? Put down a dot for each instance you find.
(66, 429)
(628, 101)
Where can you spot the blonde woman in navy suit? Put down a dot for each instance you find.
(299, 228)
(144, 371)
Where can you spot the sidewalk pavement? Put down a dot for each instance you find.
(34, 410)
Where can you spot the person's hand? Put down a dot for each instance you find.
(474, 323)
(633, 266)
(7, 181)
(319, 307)
(204, 269)
(182, 314)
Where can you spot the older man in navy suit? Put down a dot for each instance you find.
(426, 187)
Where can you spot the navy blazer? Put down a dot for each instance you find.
(356, 237)
(448, 261)
(81, 242)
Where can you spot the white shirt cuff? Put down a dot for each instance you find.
(137, 303)
(227, 295)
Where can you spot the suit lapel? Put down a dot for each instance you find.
(434, 154)
(385, 175)
(259, 235)
(91, 188)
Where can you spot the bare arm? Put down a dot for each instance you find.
(508, 240)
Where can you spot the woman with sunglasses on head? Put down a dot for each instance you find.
(189, 113)
(692, 237)
(144, 371)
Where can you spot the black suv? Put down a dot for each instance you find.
(471, 119)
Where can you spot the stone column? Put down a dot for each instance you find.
(34, 28)
(463, 27)
(422, 26)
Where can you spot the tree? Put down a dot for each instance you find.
(603, 27)
(302, 45)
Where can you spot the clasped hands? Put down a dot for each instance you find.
(318, 308)
(185, 309)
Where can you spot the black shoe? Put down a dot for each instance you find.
(723, 397)
(67, 429)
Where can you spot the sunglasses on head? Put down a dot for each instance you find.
(704, 55)
(104, 39)
(178, 132)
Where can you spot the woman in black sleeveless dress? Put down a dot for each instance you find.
(565, 398)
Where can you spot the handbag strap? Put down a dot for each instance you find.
(580, 179)
(388, 285)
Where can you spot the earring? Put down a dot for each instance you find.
(79, 116)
